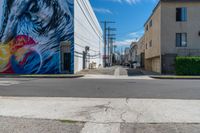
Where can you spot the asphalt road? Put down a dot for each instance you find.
(101, 88)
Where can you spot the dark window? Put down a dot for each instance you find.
(181, 14)
(181, 39)
(150, 43)
(146, 46)
(147, 28)
(150, 23)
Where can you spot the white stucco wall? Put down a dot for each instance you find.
(87, 32)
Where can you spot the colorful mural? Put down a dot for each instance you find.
(30, 35)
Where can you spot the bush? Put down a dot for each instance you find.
(187, 65)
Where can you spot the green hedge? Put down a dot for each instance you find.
(187, 65)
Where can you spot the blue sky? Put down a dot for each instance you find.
(129, 15)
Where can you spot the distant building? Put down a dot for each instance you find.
(134, 52)
(48, 36)
(126, 56)
(172, 30)
(141, 51)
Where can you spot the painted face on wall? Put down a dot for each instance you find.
(45, 22)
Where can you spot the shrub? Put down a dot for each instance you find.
(187, 65)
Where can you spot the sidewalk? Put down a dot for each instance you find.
(41, 75)
(21, 125)
(99, 71)
(102, 115)
(115, 72)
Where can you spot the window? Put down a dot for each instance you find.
(181, 39)
(181, 14)
(146, 46)
(150, 43)
(147, 28)
(150, 23)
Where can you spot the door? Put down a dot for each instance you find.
(67, 62)
(84, 59)
(142, 60)
(65, 57)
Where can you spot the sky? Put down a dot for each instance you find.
(129, 15)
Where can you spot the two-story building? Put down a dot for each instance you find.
(48, 36)
(172, 30)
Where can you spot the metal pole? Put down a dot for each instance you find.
(105, 41)
(109, 46)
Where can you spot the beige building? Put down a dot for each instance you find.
(172, 30)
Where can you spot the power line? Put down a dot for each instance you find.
(106, 40)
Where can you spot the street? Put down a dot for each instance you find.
(114, 100)
(101, 88)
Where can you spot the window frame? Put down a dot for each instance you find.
(181, 38)
(181, 14)
(147, 27)
(151, 23)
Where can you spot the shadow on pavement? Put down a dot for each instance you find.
(134, 72)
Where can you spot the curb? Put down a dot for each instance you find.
(42, 76)
(176, 77)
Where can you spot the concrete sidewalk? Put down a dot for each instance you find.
(108, 115)
(41, 75)
(22, 125)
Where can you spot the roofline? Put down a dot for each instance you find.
(155, 8)
(166, 1)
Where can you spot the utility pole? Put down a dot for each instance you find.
(105, 41)
(111, 49)
(111, 38)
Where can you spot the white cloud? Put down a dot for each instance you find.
(136, 34)
(126, 1)
(102, 10)
(132, 37)
(131, 2)
(126, 42)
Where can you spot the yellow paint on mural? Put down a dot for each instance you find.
(4, 56)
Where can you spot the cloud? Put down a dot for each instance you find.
(126, 1)
(131, 2)
(102, 10)
(136, 34)
(126, 42)
(132, 37)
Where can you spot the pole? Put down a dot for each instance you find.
(105, 41)
(111, 53)
(109, 46)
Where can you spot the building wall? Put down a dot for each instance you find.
(156, 65)
(31, 33)
(87, 33)
(141, 45)
(141, 52)
(170, 27)
(153, 34)
(152, 53)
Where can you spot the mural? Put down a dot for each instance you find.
(30, 35)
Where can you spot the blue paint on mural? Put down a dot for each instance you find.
(31, 32)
